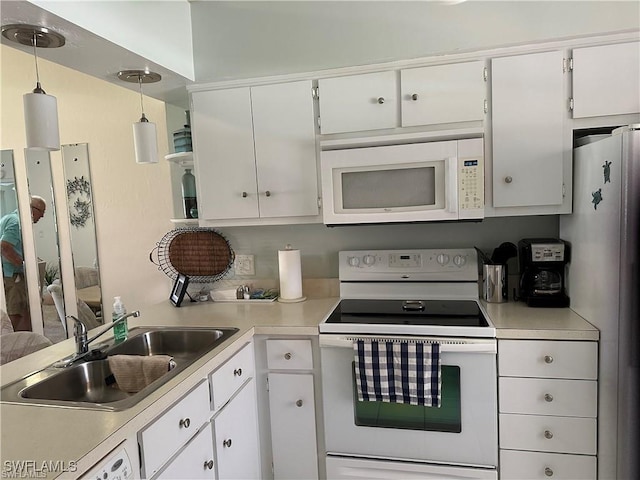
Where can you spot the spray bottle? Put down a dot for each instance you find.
(120, 331)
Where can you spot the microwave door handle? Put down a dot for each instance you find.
(451, 180)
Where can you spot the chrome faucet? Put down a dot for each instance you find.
(80, 331)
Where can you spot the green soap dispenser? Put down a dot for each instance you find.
(120, 331)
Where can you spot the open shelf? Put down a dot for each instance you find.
(184, 159)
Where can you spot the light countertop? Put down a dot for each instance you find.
(42, 433)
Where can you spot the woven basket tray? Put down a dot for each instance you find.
(202, 254)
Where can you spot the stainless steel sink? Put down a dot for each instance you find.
(90, 384)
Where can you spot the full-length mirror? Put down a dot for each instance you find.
(82, 229)
(16, 296)
(45, 237)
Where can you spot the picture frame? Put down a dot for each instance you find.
(179, 289)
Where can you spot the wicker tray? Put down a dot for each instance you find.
(202, 254)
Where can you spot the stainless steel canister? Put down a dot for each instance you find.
(494, 283)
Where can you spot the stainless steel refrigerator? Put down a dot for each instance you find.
(603, 286)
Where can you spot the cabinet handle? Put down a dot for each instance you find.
(237, 372)
(244, 194)
(548, 472)
(287, 356)
(548, 434)
(548, 397)
(548, 359)
(185, 422)
(508, 179)
(298, 403)
(208, 465)
(226, 443)
(380, 100)
(267, 193)
(414, 97)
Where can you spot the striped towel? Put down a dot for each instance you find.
(398, 372)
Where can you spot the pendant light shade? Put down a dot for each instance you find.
(145, 137)
(40, 109)
(41, 121)
(145, 141)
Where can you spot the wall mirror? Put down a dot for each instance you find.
(47, 252)
(9, 206)
(82, 229)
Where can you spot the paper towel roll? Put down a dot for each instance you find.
(290, 275)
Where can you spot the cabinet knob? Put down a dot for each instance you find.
(298, 403)
(185, 422)
(548, 434)
(414, 97)
(244, 194)
(508, 179)
(267, 193)
(548, 397)
(548, 359)
(380, 100)
(226, 443)
(237, 372)
(548, 472)
(287, 356)
(208, 465)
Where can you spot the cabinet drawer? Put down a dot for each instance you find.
(174, 428)
(195, 461)
(289, 355)
(543, 396)
(548, 434)
(548, 359)
(516, 465)
(227, 379)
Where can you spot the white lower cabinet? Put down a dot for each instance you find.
(293, 426)
(195, 461)
(548, 403)
(236, 437)
(538, 466)
(171, 430)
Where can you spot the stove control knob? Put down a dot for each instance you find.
(354, 261)
(369, 259)
(459, 260)
(442, 259)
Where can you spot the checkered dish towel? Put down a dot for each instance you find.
(398, 372)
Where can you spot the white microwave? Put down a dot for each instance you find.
(418, 182)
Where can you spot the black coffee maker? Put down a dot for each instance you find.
(542, 271)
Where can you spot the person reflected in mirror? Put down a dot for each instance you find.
(15, 288)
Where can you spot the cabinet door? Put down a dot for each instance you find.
(293, 425)
(606, 80)
(358, 102)
(223, 154)
(236, 437)
(528, 110)
(285, 146)
(195, 461)
(442, 94)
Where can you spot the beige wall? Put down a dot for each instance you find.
(132, 202)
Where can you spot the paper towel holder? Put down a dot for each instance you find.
(302, 298)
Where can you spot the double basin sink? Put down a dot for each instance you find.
(89, 382)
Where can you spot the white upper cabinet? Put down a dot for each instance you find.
(255, 152)
(443, 94)
(606, 80)
(528, 116)
(358, 102)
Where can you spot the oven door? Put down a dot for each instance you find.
(462, 431)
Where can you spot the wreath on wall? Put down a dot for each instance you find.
(79, 195)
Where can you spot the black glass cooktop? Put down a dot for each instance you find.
(463, 313)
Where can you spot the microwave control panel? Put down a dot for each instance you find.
(471, 183)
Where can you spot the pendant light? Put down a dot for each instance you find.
(40, 109)
(145, 138)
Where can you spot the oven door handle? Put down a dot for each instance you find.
(488, 345)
